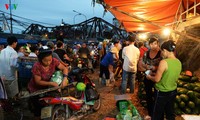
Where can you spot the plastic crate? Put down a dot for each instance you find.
(123, 105)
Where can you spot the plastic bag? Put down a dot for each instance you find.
(127, 111)
(112, 77)
(57, 77)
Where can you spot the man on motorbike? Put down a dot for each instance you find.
(84, 54)
(62, 53)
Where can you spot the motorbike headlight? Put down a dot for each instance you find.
(92, 52)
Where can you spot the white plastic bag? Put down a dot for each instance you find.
(112, 77)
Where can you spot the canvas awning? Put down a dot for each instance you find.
(159, 12)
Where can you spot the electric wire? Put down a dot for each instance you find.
(28, 19)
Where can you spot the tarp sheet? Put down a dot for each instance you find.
(3, 41)
(160, 12)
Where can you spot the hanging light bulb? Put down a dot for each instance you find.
(166, 31)
(142, 36)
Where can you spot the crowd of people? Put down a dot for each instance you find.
(159, 64)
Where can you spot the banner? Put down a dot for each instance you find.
(13, 6)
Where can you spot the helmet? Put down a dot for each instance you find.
(80, 86)
(50, 44)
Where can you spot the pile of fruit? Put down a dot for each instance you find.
(188, 98)
(142, 94)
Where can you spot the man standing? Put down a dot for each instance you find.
(116, 47)
(166, 82)
(130, 54)
(51, 45)
(8, 69)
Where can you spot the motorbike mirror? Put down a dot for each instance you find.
(74, 83)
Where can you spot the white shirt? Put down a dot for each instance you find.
(20, 54)
(8, 63)
(130, 54)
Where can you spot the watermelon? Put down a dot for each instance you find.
(189, 86)
(194, 79)
(181, 104)
(182, 90)
(184, 97)
(178, 111)
(187, 111)
(182, 73)
(197, 95)
(188, 73)
(184, 78)
(180, 83)
(197, 84)
(197, 89)
(178, 99)
(197, 102)
(191, 104)
(191, 94)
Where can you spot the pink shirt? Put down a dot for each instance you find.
(45, 75)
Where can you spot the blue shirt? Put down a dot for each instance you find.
(108, 59)
(8, 63)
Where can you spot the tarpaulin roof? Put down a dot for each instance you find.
(3, 41)
(159, 12)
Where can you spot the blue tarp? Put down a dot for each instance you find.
(3, 41)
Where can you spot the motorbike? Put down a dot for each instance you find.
(82, 62)
(81, 103)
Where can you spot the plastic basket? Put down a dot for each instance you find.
(24, 70)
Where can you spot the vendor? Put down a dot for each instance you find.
(41, 75)
(166, 82)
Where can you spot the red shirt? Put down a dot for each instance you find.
(142, 51)
(45, 75)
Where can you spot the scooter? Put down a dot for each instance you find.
(86, 100)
